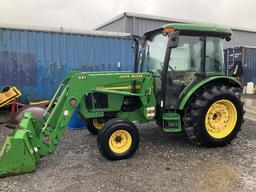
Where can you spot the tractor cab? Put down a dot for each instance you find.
(179, 55)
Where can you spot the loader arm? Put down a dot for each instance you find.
(34, 139)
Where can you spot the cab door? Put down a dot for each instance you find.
(183, 65)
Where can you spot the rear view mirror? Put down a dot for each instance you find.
(228, 38)
(173, 39)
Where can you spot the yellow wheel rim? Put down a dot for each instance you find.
(120, 141)
(221, 118)
(97, 124)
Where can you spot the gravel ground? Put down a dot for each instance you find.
(163, 162)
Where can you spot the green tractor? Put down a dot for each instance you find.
(178, 81)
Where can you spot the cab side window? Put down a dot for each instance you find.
(214, 62)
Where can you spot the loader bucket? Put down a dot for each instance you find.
(17, 155)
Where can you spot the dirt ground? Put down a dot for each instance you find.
(164, 162)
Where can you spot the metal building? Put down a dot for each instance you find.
(139, 23)
(37, 59)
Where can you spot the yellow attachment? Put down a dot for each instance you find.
(43, 102)
(8, 96)
(120, 141)
(221, 118)
(97, 124)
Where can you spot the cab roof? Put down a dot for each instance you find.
(195, 29)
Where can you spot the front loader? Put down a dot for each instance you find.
(178, 81)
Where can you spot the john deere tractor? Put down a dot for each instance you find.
(178, 81)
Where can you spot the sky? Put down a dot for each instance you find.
(86, 14)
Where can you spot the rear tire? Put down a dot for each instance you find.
(214, 115)
(118, 139)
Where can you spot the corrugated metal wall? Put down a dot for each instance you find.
(250, 64)
(246, 56)
(116, 26)
(241, 38)
(37, 61)
(133, 25)
(138, 26)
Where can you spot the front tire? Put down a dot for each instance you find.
(118, 139)
(214, 116)
(94, 125)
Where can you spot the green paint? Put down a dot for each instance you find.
(199, 27)
(17, 155)
(174, 118)
(34, 139)
(185, 97)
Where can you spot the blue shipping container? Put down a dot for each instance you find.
(37, 60)
(246, 56)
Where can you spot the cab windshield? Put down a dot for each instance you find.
(188, 56)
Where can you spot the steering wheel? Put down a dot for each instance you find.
(169, 67)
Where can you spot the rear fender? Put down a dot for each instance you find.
(222, 80)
